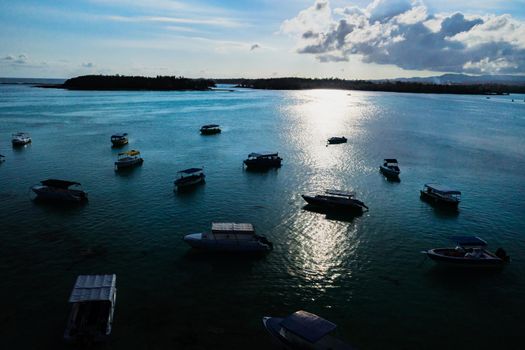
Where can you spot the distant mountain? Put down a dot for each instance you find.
(466, 79)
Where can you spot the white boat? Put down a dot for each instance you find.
(60, 191)
(229, 237)
(390, 167)
(93, 303)
(304, 330)
(128, 159)
(20, 139)
(189, 177)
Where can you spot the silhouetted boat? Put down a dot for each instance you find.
(189, 177)
(59, 190)
(304, 330)
(441, 195)
(20, 139)
(470, 252)
(336, 200)
(128, 159)
(390, 168)
(119, 139)
(93, 303)
(263, 160)
(2, 158)
(229, 237)
(335, 140)
(210, 129)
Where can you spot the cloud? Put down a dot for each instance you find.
(403, 33)
(18, 60)
(213, 21)
(88, 65)
(255, 46)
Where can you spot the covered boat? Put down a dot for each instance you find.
(20, 139)
(304, 330)
(128, 159)
(390, 167)
(469, 251)
(263, 160)
(230, 237)
(118, 140)
(440, 195)
(190, 177)
(336, 200)
(335, 140)
(210, 129)
(93, 303)
(60, 191)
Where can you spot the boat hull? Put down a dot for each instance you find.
(438, 200)
(440, 256)
(222, 245)
(47, 194)
(119, 143)
(262, 163)
(389, 172)
(20, 142)
(335, 141)
(210, 132)
(128, 164)
(353, 208)
(189, 182)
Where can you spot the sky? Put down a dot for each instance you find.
(360, 39)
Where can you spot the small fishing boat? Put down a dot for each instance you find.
(128, 159)
(336, 200)
(189, 177)
(230, 237)
(60, 191)
(335, 140)
(304, 330)
(470, 252)
(210, 129)
(93, 303)
(390, 168)
(263, 160)
(2, 158)
(20, 139)
(441, 195)
(118, 140)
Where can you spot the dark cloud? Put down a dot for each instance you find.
(20, 59)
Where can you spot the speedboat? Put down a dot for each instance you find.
(60, 191)
(263, 160)
(93, 303)
(469, 251)
(20, 139)
(441, 195)
(210, 129)
(230, 237)
(128, 159)
(336, 200)
(189, 177)
(304, 330)
(335, 140)
(118, 140)
(390, 168)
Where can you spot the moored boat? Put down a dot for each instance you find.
(189, 177)
(93, 304)
(118, 140)
(2, 158)
(336, 200)
(441, 195)
(390, 168)
(469, 252)
(60, 191)
(20, 139)
(258, 160)
(336, 139)
(210, 129)
(304, 330)
(128, 159)
(230, 237)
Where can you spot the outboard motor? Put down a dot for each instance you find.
(502, 254)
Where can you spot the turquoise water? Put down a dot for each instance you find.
(365, 274)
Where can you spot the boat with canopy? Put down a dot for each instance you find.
(118, 140)
(128, 159)
(263, 160)
(304, 330)
(189, 177)
(230, 237)
(333, 199)
(60, 191)
(20, 139)
(93, 304)
(441, 195)
(390, 168)
(470, 251)
(210, 129)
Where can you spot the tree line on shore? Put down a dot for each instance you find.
(121, 82)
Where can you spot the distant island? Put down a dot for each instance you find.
(121, 82)
(366, 85)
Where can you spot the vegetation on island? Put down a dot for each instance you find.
(366, 85)
(121, 82)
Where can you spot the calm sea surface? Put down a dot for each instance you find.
(366, 274)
